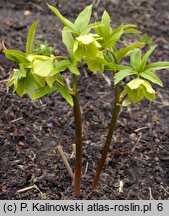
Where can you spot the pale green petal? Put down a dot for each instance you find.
(85, 39)
(135, 83)
(148, 87)
(43, 68)
(75, 46)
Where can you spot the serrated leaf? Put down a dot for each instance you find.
(152, 77)
(31, 37)
(65, 21)
(68, 40)
(114, 37)
(135, 59)
(106, 21)
(157, 66)
(65, 92)
(83, 19)
(145, 57)
(105, 30)
(18, 74)
(15, 55)
(121, 75)
(125, 51)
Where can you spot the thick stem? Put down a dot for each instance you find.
(115, 114)
(78, 137)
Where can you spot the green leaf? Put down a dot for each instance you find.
(152, 77)
(121, 75)
(68, 40)
(87, 29)
(73, 69)
(145, 57)
(65, 21)
(15, 55)
(114, 37)
(125, 51)
(157, 66)
(20, 88)
(30, 37)
(105, 29)
(106, 22)
(62, 65)
(44, 91)
(129, 26)
(132, 31)
(39, 80)
(18, 74)
(83, 19)
(65, 92)
(55, 78)
(135, 59)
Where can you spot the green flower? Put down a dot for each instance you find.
(97, 63)
(137, 89)
(41, 65)
(85, 45)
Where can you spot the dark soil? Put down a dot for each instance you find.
(30, 131)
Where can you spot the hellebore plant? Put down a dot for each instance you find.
(40, 74)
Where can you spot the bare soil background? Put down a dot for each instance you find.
(30, 131)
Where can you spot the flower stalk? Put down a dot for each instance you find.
(115, 114)
(78, 136)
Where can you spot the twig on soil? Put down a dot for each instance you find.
(85, 172)
(15, 120)
(85, 73)
(121, 184)
(96, 3)
(36, 138)
(62, 154)
(73, 155)
(107, 79)
(151, 197)
(165, 190)
(138, 140)
(163, 103)
(142, 128)
(25, 189)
